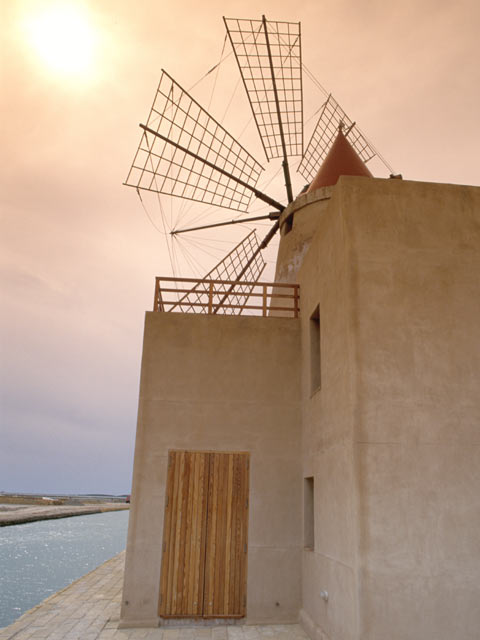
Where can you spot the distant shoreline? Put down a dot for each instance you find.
(22, 509)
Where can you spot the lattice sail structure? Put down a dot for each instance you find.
(245, 263)
(270, 61)
(332, 116)
(177, 120)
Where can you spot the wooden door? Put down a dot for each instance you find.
(226, 542)
(183, 558)
(205, 535)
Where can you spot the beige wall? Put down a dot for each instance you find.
(416, 250)
(328, 428)
(392, 438)
(221, 383)
(295, 243)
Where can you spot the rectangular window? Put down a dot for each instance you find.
(308, 513)
(288, 226)
(315, 370)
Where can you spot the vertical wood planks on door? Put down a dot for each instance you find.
(205, 535)
(183, 557)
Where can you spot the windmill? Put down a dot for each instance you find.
(184, 152)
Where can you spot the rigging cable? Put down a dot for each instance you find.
(193, 262)
(163, 233)
(212, 69)
(199, 247)
(216, 75)
(148, 215)
(162, 215)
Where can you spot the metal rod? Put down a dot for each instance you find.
(350, 128)
(286, 170)
(222, 224)
(261, 246)
(270, 235)
(220, 291)
(259, 194)
(285, 285)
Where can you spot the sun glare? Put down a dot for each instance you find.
(62, 37)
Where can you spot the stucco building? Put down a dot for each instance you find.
(326, 467)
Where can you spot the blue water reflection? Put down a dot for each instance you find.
(39, 558)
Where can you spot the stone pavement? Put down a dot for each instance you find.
(89, 609)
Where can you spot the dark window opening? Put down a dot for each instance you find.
(288, 226)
(315, 368)
(308, 513)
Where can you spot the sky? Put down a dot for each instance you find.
(80, 251)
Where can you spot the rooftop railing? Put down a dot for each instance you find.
(227, 297)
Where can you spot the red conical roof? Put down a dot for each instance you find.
(341, 160)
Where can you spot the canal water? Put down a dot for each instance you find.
(39, 558)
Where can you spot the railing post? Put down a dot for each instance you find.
(295, 301)
(156, 295)
(210, 297)
(264, 300)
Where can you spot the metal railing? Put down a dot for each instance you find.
(227, 297)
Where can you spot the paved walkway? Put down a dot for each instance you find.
(89, 609)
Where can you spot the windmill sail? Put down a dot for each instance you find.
(270, 62)
(243, 263)
(332, 116)
(184, 152)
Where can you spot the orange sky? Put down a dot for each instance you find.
(79, 254)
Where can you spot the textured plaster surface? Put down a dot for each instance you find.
(295, 244)
(221, 384)
(416, 262)
(328, 428)
(392, 438)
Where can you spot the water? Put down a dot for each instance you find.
(39, 558)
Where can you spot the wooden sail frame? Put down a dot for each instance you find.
(185, 152)
(269, 58)
(331, 118)
(244, 263)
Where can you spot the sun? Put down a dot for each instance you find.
(62, 37)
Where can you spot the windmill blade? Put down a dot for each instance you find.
(269, 58)
(244, 262)
(332, 116)
(184, 152)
